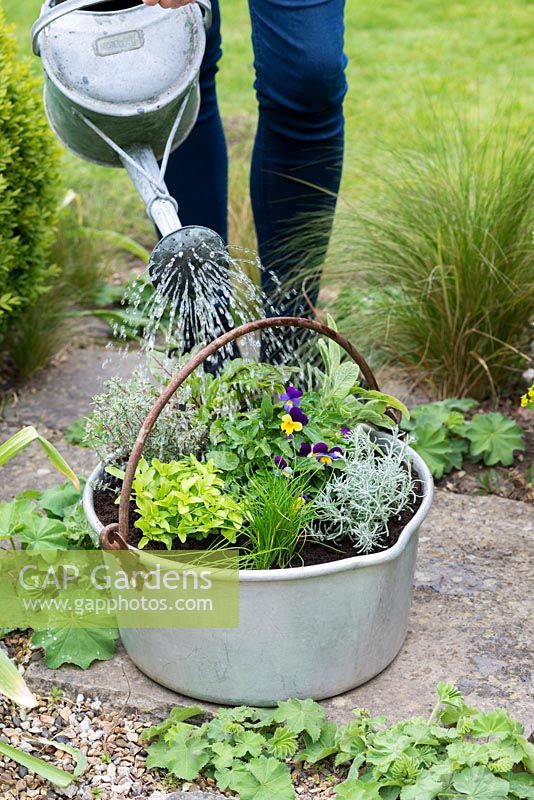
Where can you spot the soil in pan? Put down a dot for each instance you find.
(107, 512)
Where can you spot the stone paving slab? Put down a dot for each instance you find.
(471, 623)
(52, 402)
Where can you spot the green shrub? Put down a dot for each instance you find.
(29, 184)
(444, 251)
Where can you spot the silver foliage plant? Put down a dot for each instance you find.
(118, 413)
(358, 502)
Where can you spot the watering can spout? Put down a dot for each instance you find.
(144, 171)
(180, 249)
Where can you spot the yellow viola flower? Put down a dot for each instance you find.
(289, 425)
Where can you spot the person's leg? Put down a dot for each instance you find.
(298, 153)
(197, 175)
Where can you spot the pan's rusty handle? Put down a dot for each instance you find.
(115, 537)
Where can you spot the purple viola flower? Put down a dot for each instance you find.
(282, 464)
(298, 415)
(291, 398)
(321, 452)
(346, 432)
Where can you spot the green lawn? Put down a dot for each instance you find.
(405, 56)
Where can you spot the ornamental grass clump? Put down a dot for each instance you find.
(442, 256)
(359, 501)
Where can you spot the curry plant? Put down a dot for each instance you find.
(357, 503)
(457, 751)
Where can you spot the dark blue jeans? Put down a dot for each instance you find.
(298, 151)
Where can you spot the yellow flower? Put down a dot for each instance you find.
(325, 460)
(527, 401)
(289, 425)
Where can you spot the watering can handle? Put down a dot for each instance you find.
(69, 6)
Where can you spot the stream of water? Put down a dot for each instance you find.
(198, 296)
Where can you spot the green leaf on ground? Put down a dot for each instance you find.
(477, 783)
(494, 438)
(44, 534)
(434, 448)
(326, 745)
(301, 716)
(263, 779)
(75, 433)
(176, 715)
(47, 771)
(453, 705)
(283, 743)
(468, 754)
(521, 785)
(185, 757)
(493, 723)
(426, 787)
(357, 790)
(56, 500)
(15, 516)
(248, 743)
(386, 748)
(225, 756)
(79, 646)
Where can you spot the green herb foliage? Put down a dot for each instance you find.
(358, 502)
(457, 752)
(183, 499)
(444, 438)
(333, 398)
(119, 413)
(277, 514)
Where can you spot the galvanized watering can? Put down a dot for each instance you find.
(121, 89)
